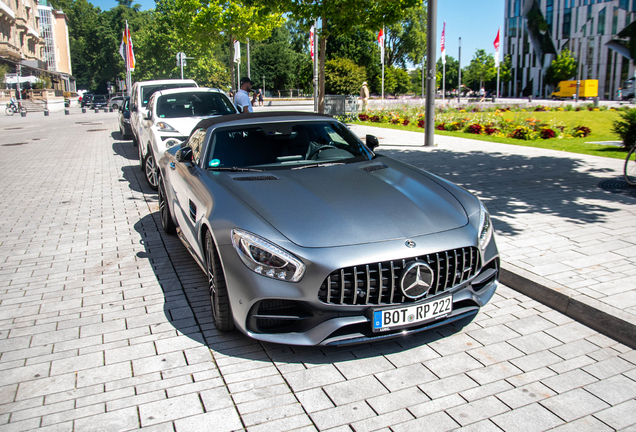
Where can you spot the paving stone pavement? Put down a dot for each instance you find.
(562, 236)
(105, 323)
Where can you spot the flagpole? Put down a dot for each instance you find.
(128, 72)
(497, 60)
(382, 59)
(444, 63)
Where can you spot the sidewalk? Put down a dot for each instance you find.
(564, 240)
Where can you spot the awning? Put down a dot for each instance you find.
(14, 80)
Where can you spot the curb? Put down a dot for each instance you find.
(603, 318)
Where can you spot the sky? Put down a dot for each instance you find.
(475, 21)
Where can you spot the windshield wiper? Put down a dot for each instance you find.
(234, 169)
(316, 165)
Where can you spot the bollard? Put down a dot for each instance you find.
(111, 109)
(83, 110)
(494, 99)
(23, 113)
(106, 110)
(96, 110)
(596, 102)
(46, 113)
(530, 98)
(66, 112)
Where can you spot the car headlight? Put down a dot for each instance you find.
(165, 127)
(485, 227)
(266, 258)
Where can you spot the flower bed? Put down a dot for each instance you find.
(489, 121)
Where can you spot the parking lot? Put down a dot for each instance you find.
(105, 325)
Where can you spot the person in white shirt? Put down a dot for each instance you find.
(242, 98)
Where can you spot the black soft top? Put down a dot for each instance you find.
(206, 123)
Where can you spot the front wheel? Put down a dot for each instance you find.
(167, 223)
(150, 168)
(630, 167)
(9, 111)
(219, 299)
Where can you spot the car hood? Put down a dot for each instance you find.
(348, 204)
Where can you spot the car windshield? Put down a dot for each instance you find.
(149, 90)
(285, 145)
(99, 98)
(193, 104)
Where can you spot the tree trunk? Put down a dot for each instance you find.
(321, 75)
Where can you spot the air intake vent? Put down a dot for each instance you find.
(371, 168)
(379, 283)
(255, 178)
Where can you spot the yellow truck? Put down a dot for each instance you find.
(567, 89)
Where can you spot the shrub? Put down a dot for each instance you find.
(522, 133)
(421, 123)
(491, 130)
(376, 119)
(582, 131)
(625, 128)
(474, 129)
(363, 117)
(547, 133)
(440, 126)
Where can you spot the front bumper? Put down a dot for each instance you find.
(292, 313)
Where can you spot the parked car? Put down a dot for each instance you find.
(124, 119)
(309, 237)
(115, 102)
(87, 98)
(169, 119)
(140, 95)
(99, 101)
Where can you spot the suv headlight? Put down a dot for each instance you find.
(485, 227)
(265, 258)
(165, 127)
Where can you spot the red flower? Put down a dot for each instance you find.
(474, 129)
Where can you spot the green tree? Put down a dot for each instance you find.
(480, 70)
(339, 17)
(452, 73)
(275, 59)
(562, 68)
(405, 40)
(343, 77)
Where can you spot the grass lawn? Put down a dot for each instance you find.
(600, 122)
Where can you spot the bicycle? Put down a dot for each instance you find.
(12, 108)
(629, 170)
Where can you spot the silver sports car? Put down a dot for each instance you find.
(309, 237)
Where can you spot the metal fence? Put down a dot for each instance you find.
(339, 105)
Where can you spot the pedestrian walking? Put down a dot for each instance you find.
(242, 98)
(364, 96)
(261, 97)
(482, 95)
(619, 94)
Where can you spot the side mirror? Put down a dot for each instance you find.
(148, 115)
(184, 155)
(372, 141)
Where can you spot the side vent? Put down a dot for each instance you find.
(264, 177)
(371, 168)
(193, 212)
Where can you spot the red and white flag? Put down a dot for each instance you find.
(496, 44)
(381, 42)
(237, 51)
(126, 49)
(443, 43)
(311, 42)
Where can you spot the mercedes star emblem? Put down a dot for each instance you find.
(416, 280)
(410, 244)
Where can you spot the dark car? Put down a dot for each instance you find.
(124, 119)
(99, 101)
(309, 237)
(87, 98)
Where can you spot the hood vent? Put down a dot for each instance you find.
(252, 177)
(371, 168)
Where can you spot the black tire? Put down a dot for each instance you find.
(114, 106)
(167, 223)
(219, 299)
(629, 171)
(151, 170)
(8, 111)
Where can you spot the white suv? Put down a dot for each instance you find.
(140, 95)
(170, 117)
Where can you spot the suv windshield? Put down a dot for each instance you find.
(99, 98)
(147, 91)
(285, 145)
(193, 104)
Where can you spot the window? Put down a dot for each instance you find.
(623, 4)
(615, 21)
(601, 22)
(549, 12)
(192, 104)
(567, 21)
(195, 143)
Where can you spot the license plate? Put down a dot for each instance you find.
(389, 319)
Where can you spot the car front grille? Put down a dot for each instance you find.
(379, 283)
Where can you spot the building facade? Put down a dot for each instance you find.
(29, 56)
(536, 31)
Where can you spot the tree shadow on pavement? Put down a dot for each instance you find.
(518, 186)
